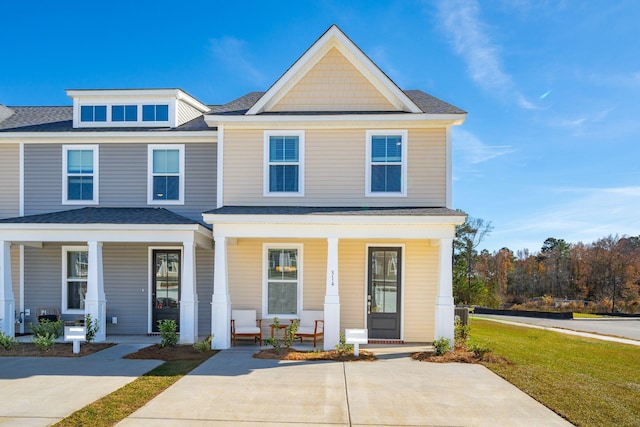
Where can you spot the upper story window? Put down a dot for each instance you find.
(386, 173)
(284, 163)
(166, 174)
(155, 113)
(124, 113)
(80, 174)
(93, 113)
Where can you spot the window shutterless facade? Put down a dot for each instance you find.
(80, 174)
(284, 163)
(165, 174)
(386, 173)
(282, 287)
(155, 113)
(93, 113)
(124, 113)
(74, 278)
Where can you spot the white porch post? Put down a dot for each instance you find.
(189, 296)
(7, 300)
(444, 301)
(332, 297)
(220, 303)
(95, 300)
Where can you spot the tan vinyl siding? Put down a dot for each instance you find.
(352, 263)
(10, 179)
(333, 84)
(335, 168)
(420, 290)
(186, 112)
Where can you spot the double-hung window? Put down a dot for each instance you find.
(166, 174)
(74, 278)
(282, 292)
(284, 163)
(80, 174)
(386, 173)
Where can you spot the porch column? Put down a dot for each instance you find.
(444, 301)
(7, 301)
(95, 301)
(189, 296)
(220, 304)
(332, 297)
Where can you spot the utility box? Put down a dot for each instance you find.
(462, 313)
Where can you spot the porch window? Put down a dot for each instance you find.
(166, 174)
(284, 163)
(283, 281)
(80, 174)
(74, 278)
(386, 163)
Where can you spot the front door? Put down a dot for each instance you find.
(383, 295)
(165, 287)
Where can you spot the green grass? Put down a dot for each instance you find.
(589, 382)
(586, 316)
(118, 405)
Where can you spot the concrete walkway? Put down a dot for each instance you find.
(233, 389)
(37, 391)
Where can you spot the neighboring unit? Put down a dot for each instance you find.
(329, 192)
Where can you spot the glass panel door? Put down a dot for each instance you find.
(383, 299)
(166, 287)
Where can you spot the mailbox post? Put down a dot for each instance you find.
(75, 334)
(356, 337)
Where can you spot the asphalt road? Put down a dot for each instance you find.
(619, 327)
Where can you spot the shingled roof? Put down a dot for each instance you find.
(350, 211)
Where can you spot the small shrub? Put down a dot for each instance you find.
(290, 333)
(6, 341)
(460, 332)
(342, 347)
(44, 342)
(441, 346)
(202, 346)
(92, 327)
(168, 332)
(46, 327)
(478, 349)
(273, 342)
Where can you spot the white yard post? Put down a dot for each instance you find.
(188, 296)
(95, 300)
(444, 301)
(332, 297)
(220, 304)
(7, 300)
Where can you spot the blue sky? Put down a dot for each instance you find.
(551, 145)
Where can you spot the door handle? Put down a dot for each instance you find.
(368, 304)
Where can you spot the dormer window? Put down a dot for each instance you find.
(93, 113)
(155, 113)
(124, 113)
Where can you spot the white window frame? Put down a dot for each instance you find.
(65, 279)
(404, 164)
(300, 134)
(95, 174)
(181, 174)
(265, 279)
(170, 122)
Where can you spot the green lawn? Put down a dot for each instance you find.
(586, 316)
(587, 381)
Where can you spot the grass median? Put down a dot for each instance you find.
(589, 382)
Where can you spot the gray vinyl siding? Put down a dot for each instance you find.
(42, 278)
(10, 179)
(204, 288)
(122, 178)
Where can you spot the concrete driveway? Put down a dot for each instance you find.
(233, 389)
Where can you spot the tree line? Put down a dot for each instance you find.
(602, 276)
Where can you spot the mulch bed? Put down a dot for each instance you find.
(292, 354)
(460, 355)
(169, 354)
(27, 349)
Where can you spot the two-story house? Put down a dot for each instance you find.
(330, 191)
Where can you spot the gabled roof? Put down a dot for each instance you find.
(335, 38)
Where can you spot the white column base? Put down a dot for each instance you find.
(220, 324)
(8, 317)
(188, 322)
(445, 318)
(98, 310)
(331, 323)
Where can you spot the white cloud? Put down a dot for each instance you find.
(231, 52)
(578, 125)
(472, 151)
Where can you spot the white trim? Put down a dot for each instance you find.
(449, 169)
(21, 181)
(150, 273)
(113, 137)
(220, 168)
(65, 279)
(404, 164)
(300, 270)
(402, 279)
(266, 163)
(95, 175)
(439, 119)
(181, 173)
(21, 289)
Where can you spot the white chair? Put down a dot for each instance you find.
(311, 325)
(245, 324)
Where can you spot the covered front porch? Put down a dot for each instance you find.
(102, 262)
(333, 249)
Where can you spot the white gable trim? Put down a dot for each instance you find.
(333, 37)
